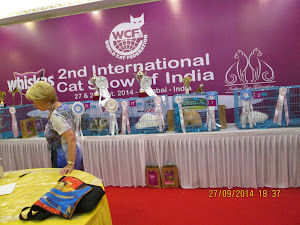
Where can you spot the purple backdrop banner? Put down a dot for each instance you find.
(224, 45)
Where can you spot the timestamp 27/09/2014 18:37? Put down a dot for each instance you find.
(243, 193)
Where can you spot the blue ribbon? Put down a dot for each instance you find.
(246, 95)
(212, 95)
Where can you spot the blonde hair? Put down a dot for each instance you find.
(41, 91)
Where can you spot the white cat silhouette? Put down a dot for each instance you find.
(241, 66)
(128, 30)
(257, 65)
(259, 69)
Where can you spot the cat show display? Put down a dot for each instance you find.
(271, 107)
(196, 112)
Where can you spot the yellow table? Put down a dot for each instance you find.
(34, 185)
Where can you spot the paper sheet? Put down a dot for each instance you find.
(7, 189)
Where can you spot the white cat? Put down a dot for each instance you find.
(258, 117)
(147, 120)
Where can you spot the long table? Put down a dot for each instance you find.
(226, 158)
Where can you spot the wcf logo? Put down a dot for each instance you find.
(126, 40)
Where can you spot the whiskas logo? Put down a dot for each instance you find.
(127, 41)
(27, 82)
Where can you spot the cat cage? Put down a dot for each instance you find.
(196, 112)
(95, 121)
(144, 115)
(267, 107)
(22, 113)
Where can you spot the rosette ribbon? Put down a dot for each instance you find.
(102, 84)
(178, 101)
(159, 116)
(125, 118)
(78, 110)
(210, 113)
(247, 109)
(281, 102)
(111, 106)
(14, 124)
(146, 83)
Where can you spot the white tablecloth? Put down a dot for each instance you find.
(29, 153)
(226, 158)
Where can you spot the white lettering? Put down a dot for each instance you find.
(127, 82)
(175, 62)
(82, 72)
(58, 87)
(114, 85)
(195, 74)
(63, 73)
(11, 84)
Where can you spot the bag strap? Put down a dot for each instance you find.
(29, 214)
(39, 213)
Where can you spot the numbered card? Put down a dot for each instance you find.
(87, 105)
(257, 94)
(132, 103)
(212, 102)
